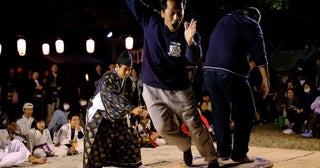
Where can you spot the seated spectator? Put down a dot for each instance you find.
(70, 136)
(307, 97)
(13, 152)
(82, 109)
(24, 123)
(59, 118)
(40, 142)
(291, 109)
(311, 128)
(205, 111)
(206, 98)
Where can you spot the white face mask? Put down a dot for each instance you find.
(66, 107)
(83, 102)
(306, 90)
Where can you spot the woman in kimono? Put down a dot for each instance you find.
(110, 138)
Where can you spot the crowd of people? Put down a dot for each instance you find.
(300, 108)
(31, 139)
(110, 114)
(40, 116)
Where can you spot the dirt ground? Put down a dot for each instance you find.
(271, 136)
(267, 141)
(169, 156)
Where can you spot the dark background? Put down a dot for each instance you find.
(287, 24)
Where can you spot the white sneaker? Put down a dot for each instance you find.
(160, 141)
(288, 131)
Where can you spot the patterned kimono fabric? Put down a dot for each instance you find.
(110, 138)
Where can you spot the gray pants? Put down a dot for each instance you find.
(163, 104)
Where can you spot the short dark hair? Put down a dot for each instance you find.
(253, 13)
(125, 58)
(292, 89)
(163, 3)
(73, 114)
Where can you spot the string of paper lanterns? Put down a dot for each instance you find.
(59, 45)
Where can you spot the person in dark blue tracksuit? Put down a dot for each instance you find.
(236, 38)
(170, 45)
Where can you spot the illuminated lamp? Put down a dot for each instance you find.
(129, 43)
(45, 49)
(109, 34)
(21, 46)
(59, 46)
(90, 45)
(87, 77)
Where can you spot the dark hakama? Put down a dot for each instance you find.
(111, 137)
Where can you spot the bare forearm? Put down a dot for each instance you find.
(265, 84)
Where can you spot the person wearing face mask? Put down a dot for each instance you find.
(307, 98)
(170, 46)
(59, 117)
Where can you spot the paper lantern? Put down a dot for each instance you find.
(45, 49)
(129, 42)
(90, 45)
(59, 46)
(21, 46)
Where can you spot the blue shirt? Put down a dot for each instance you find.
(233, 41)
(58, 119)
(165, 54)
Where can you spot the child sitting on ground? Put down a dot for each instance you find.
(70, 136)
(40, 141)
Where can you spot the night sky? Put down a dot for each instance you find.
(75, 20)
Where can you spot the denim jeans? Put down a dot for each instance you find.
(231, 98)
